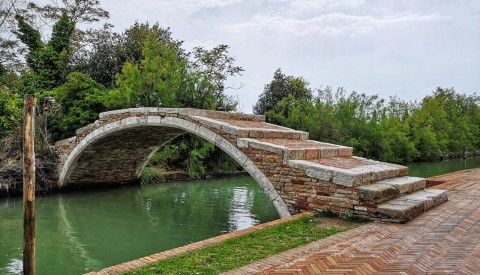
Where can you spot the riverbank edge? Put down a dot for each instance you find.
(144, 261)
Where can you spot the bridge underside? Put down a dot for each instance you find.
(119, 157)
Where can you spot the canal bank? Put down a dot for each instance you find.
(444, 240)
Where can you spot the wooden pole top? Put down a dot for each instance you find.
(30, 100)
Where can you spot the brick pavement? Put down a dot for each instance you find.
(444, 240)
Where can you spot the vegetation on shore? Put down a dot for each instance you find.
(393, 130)
(243, 250)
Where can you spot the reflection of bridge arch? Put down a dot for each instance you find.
(296, 173)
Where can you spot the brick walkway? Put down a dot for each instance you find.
(443, 240)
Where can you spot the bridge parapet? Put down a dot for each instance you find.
(297, 173)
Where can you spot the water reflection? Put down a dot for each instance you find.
(86, 231)
(430, 169)
(15, 266)
(240, 216)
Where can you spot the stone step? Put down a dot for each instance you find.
(251, 128)
(405, 208)
(349, 171)
(388, 189)
(296, 149)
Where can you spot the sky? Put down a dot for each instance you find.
(403, 47)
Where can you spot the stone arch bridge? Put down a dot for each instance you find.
(296, 173)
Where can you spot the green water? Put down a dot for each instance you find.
(87, 231)
(430, 169)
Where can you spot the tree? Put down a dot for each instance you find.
(42, 18)
(10, 103)
(155, 81)
(79, 101)
(280, 87)
(9, 55)
(106, 52)
(47, 62)
(211, 68)
(79, 11)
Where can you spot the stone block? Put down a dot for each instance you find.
(243, 142)
(295, 153)
(206, 134)
(208, 122)
(403, 212)
(377, 193)
(232, 130)
(360, 208)
(405, 185)
(328, 153)
(345, 151)
(312, 154)
(154, 120)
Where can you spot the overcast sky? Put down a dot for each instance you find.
(398, 47)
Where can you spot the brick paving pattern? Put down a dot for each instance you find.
(444, 240)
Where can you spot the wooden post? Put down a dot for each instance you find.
(29, 186)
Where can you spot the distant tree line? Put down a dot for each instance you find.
(393, 130)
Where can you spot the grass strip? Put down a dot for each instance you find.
(243, 250)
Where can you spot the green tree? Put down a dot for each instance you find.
(153, 83)
(10, 103)
(280, 87)
(42, 18)
(211, 69)
(47, 62)
(79, 101)
(106, 51)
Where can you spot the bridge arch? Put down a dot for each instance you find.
(173, 126)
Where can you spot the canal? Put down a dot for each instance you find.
(86, 231)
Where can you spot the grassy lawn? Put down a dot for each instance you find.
(242, 250)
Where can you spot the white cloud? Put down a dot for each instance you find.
(194, 5)
(299, 7)
(182, 9)
(327, 24)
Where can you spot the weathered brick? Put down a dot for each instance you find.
(297, 182)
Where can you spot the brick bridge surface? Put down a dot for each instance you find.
(296, 173)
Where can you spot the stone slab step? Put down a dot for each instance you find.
(296, 149)
(405, 208)
(251, 128)
(349, 171)
(391, 188)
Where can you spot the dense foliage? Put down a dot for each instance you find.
(393, 130)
